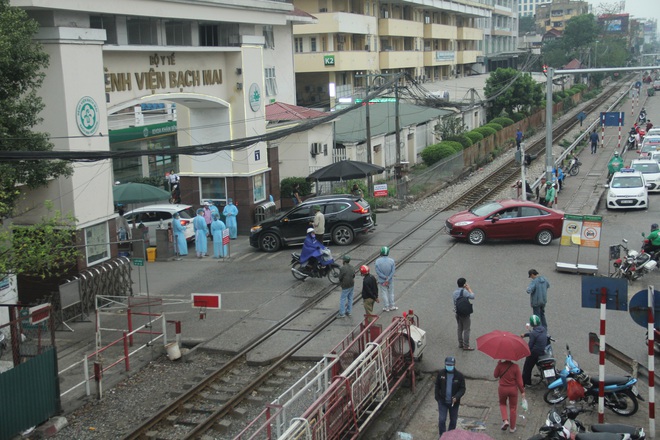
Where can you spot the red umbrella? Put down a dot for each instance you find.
(499, 344)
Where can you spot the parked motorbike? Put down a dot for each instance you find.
(642, 116)
(565, 425)
(546, 370)
(573, 167)
(325, 266)
(620, 391)
(632, 265)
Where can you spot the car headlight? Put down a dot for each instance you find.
(465, 223)
(641, 194)
(612, 194)
(255, 229)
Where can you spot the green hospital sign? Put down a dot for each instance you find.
(328, 60)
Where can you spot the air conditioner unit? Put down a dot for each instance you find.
(316, 149)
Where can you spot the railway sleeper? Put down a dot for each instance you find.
(155, 435)
(218, 398)
(221, 388)
(238, 412)
(191, 407)
(222, 426)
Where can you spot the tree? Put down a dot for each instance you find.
(580, 31)
(526, 25)
(450, 126)
(21, 74)
(42, 250)
(509, 90)
(554, 54)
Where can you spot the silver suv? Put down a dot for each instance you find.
(152, 216)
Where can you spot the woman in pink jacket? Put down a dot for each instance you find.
(511, 382)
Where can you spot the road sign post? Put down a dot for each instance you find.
(651, 332)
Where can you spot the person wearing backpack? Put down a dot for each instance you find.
(463, 310)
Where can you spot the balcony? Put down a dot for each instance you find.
(501, 31)
(343, 61)
(439, 58)
(467, 56)
(390, 27)
(339, 23)
(468, 33)
(400, 59)
(440, 31)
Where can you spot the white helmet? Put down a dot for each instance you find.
(616, 153)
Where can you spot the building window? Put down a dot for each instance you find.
(313, 44)
(208, 35)
(177, 33)
(259, 188)
(224, 34)
(142, 30)
(271, 81)
(107, 23)
(298, 44)
(97, 246)
(213, 188)
(269, 37)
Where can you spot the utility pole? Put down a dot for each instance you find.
(370, 178)
(397, 128)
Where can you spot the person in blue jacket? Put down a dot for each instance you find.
(217, 226)
(230, 212)
(201, 232)
(311, 252)
(538, 341)
(538, 294)
(179, 236)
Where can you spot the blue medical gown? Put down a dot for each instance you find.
(179, 237)
(230, 212)
(219, 250)
(201, 245)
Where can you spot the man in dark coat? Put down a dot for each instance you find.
(449, 388)
(369, 290)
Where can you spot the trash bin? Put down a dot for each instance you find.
(151, 254)
(650, 91)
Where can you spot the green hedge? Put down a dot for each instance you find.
(494, 126)
(504, 122)
(286, 186)
(434, 153)
(456, 146)
(462, 139)
(518, 116)
(474, 136)
(485, 131)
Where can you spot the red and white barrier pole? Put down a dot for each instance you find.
(651, 333)
(602, 137)
(620, 117)
(601, 358)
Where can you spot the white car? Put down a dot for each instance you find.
(653, 132)
(153, 216)
(627, 189)
(651, 171)
(649, 145)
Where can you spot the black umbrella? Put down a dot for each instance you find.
(345, 170)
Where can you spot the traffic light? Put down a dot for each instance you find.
(545, 68)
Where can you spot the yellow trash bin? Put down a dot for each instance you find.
(151, 254)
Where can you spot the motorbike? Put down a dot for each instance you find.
(632, 265)
(642, 116)
(565, 425)
(175, 194)
(573, 167)
(621, 395)
(546, 366)
(325, 266)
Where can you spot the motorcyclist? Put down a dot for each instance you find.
(652, 242)
(311, 252)
(614, 165)
(538, 340)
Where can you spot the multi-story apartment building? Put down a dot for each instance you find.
(355, 39)
(555, 15)
(527, 8)
(218, 62)
(500, 43)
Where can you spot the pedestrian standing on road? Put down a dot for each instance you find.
(541, 191)
(230, 212)
(385, 268)
(510, 382)
(369, 290)
(347, 283)
(594, 141)
(538, 294)
(461, 296)
(449, 388)
(217, 226)
(201, 232)
(179, 231)
(318, 223)
(519, 138)
(214, 209)
(538, 340)
(550, 195)
(295, 194)
(208, 216)
(649, 126)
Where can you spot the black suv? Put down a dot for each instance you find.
(345, 216)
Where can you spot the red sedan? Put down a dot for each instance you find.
(507, 220)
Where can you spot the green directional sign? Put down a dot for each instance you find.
(138, 261)
(328, 60)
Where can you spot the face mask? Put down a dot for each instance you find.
(313, 235)
(449, 368)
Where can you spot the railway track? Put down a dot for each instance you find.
(219, 405)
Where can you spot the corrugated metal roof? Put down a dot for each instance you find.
(351, 127)
(279, 111)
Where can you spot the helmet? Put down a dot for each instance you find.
(310, 230)
(385, 251)
(364, 270)
(654, 226)
(316, 207)
(616, 153)
(534, 321)
(346, 258)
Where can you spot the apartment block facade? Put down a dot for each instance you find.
(555, 15)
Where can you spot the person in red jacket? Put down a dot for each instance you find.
(510, 383)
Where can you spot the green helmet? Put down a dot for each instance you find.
(346, 258)
(385, 251)
(534, 321)
(316, 207)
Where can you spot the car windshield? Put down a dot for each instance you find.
(486, 209)
(647, 168)
(627, 182)
(187, 213)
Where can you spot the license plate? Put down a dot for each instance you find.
(549, 374)
(634, 390)
(626, 202)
